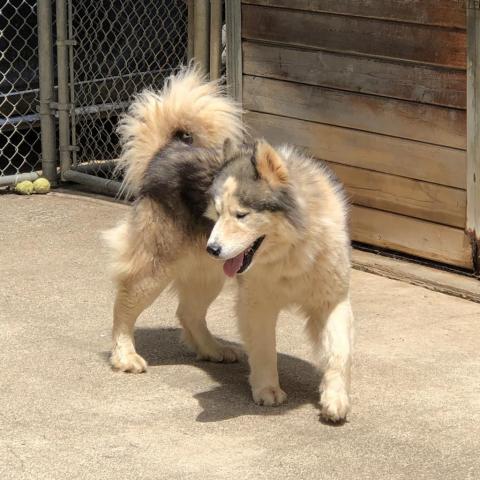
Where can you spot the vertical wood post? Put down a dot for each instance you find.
(233, 11)
(473, 128)
(215, 39)
(201, 48)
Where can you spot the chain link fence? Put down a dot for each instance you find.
(69, 69)
(19, 88)
(121, 47)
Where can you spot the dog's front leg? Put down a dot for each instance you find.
(257, 322)
(336, 339)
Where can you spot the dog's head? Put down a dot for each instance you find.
(252, 203)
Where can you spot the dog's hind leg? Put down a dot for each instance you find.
(144, 249)
(195, 296)
(334, 332)
(133, 297)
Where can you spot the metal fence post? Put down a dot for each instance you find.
(63, 93)
(45, 66)
(201, 37)
(233, 11)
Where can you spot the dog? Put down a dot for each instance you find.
(209, 206)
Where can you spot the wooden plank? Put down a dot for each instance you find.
(473, 151)
(446, 13)
(410, 235)
(425, 123)
(408, 81)
(414, 198)
(356, 35)
(431, 163)
(233, 11)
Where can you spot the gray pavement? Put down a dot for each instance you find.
(64, 414)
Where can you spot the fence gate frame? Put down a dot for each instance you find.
(56, 96)
(39, 108)
(204, 44)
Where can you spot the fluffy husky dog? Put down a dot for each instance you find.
(208, 207)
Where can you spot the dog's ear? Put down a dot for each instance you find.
(227, 149)
(268, 164)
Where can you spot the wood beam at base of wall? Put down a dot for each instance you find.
(448, 282)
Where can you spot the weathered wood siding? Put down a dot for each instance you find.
(378, 90)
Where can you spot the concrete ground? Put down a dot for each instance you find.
(65, 414)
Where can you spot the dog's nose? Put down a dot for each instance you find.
(214, 249)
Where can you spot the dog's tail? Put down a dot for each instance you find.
(187, 104)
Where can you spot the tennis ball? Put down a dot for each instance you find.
(41, 185)
(24, 188)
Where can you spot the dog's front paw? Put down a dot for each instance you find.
(269, 396)
(335, 405)
(221, 353)
(131, 362)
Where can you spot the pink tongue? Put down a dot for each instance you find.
(233, 265)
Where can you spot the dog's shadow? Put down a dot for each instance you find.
(232, 397)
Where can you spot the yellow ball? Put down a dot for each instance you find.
(24, 188)
(41, 185)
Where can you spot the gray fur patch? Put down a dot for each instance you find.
(179, 178)
(255, 193)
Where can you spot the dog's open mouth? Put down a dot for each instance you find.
(242, 261)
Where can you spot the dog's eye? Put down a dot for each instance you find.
(241, 214)
(183, 136)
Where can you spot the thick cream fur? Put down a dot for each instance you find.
(305, 266)
(186, 103)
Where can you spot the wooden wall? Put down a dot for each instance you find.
(378, 90)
